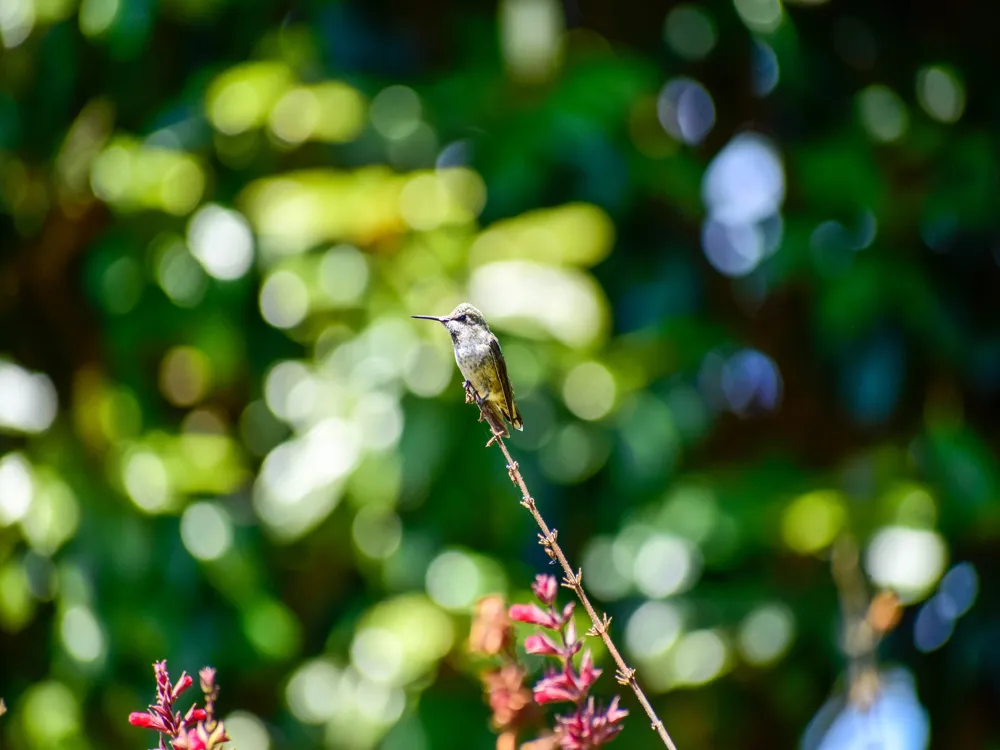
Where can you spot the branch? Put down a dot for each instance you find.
(601, 623)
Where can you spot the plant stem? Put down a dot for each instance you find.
(625, 674)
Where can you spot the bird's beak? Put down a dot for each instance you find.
(431, 317)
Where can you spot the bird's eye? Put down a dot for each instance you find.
(463, 318)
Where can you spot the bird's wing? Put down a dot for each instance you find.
(508, 393)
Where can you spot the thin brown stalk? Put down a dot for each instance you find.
(574, 580)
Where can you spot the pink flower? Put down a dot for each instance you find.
(147, 721)
(557, 687)
(588, 728)
(568, 685)
(199, 738)
(545, 588)
(588, 673)
(207, 678)
(542, 644)
(567, 613)
(534, 615)
(198, 729)
(182, 684)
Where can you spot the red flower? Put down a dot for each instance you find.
(568, 685)
(542, 644)
(198, 729)
(585, 728)
(146, 720)
(588, 728)
(558, 687)
(588, 673)
(207, 677)
(533, 615)
(545, 588)
(182, 684)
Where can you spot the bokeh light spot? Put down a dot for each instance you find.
(272, 629)
(376, 533)
(121, 286)
(909, 561)
(765, 67)
(745, 183)
(379, 419)
(931, 628)
(699, 657)
(604, 578)
(453, 580)
(181, 185)
(395, 112)
(16, 488)
(221, 241)
(689, 31)
(246, 731)
(763, 16)
(242, 97)
(940, 93)
(343, 275)
(883, 113)
(565, 303)
(146, 481)
(652, 629)
(423, 202)
(185, 375)
(428, 370)
(812, 521)
(589, 390)
(732, 249)
(27, 399)
(342, 112)
(665, 565)
(766, 634)
(51, 714)
(182, 278)
(295, 116)
(300, 480)
(284, 299)
(532, 37)
(958, 590)
(751, 380)
(686, 110)
(97, 16)
(313, 691)
(53, 516)
(573, 454)
(378, 655)
(82, 635)
(17, 18)
(206, 530)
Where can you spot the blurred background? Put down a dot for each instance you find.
(742, 256)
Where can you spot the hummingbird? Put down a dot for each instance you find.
(477, 352)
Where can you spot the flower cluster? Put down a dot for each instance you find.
(587, 727)
(197, 729)
(492, 634)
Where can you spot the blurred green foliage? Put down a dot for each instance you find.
(742, 258)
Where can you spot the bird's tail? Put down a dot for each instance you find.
(494, 416)
(515, 419)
